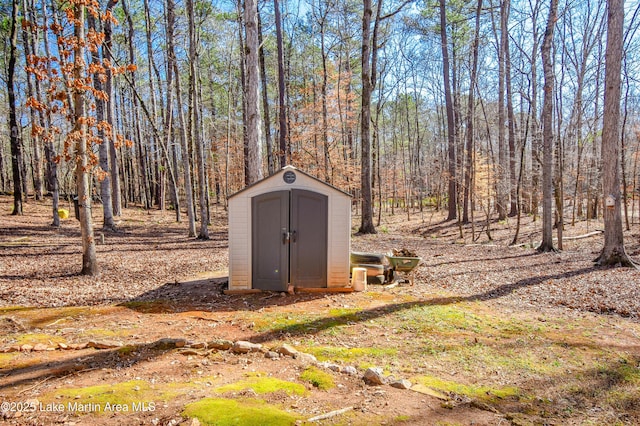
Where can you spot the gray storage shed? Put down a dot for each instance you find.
(289, 229)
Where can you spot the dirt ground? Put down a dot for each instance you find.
(488, 334)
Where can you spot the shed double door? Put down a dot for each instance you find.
(289, 240)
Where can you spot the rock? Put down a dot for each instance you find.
(103, 344)
(78, 346)
(306, 358)
(26, 348)
(330, 366)
(350, 370)
(12, 348)
(194, 422)
(272, 355)
(373, 376)
(287, 350)
(40, 347)
(243, 347)
(401, 384)
(169, 343)
(428, 391)
(198, 345)
(189, 352)
(220, 344)
(63, 346)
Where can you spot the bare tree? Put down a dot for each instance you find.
(547, 131)
(613, 252)
(114, 166)
(203, 233)
(183, 126)
(451, 142)
(282, 106)
(89, 260)
(366, 224)
(265, 101)
(105, 182)
(145, 191)
(51, 173)
(29, 36)
(254, 139)
(502, 178)
(156, 144)
(468, 175)
(168, 115)
(16, 143)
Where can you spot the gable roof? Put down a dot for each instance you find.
(281, 171)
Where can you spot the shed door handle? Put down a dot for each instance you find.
(285, 236)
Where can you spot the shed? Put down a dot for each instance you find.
(289, 229)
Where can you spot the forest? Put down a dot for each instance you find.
(180, 104)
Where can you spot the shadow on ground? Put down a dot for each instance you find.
(207, 294)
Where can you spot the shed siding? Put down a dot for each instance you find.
(338, 232)
(239, 245)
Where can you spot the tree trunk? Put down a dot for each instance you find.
(183, 126)
(105, 180)
(89, 261)
(547, 132)
(203, 233)
(116, 191)
(282, 105)
(536, 161)
(502, 177)
(3, 180)
(243, 83)
(366, 224)
(468, 190)
(254, 138)
(613, 252)
(16, 144)
(29, 46)
(451, 143)
(513, 178)
(140, 147)
(323, 95)
(265, 102)
(159, 171)
(51, 169)
(168, 118)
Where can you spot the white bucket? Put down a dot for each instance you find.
(359, 279)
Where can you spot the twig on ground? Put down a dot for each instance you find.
(330, 414)
(35, 386)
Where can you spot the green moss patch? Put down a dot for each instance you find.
(106, 399)
(318, 378)
(332, 353)
(35, 338)
(482, 393)
(6, 360)
(444, 319)
(302, 322)
(222, 412)
(292, 322)
(11, 309)
(262, 385)
(45, 317)
(617, 383)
